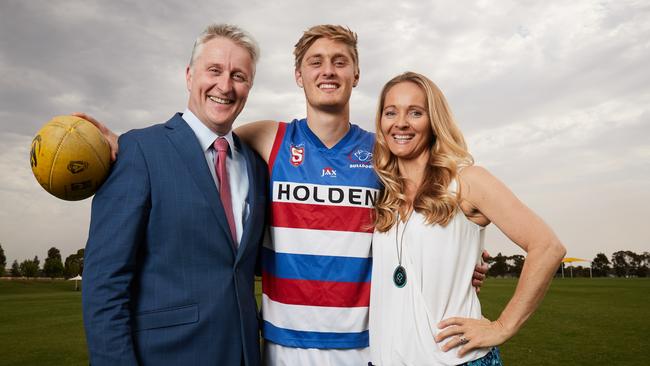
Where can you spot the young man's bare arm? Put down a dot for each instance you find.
(259, 135)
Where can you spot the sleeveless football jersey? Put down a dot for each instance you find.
(316, 269)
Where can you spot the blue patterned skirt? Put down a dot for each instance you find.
(491, 359)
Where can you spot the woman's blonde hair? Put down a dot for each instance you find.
(447, 153)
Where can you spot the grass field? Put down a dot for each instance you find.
(581, 322)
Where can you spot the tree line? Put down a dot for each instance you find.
(623, 263)
(53, 266)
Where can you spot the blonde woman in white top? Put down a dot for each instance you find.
(430, 217)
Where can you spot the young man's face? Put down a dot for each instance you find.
(328, 74)
(219, 81)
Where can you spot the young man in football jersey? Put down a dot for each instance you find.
(316, 267)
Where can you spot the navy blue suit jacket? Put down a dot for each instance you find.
(162, 283)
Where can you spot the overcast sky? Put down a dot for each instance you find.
(553, 96)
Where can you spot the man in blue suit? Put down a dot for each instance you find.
(170, 258)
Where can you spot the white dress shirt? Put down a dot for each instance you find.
(235, 162)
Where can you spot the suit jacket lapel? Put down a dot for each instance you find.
(251, 198)
(187, 146)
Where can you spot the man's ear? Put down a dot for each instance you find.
(188, 77)
(356, 79)
(298, 76)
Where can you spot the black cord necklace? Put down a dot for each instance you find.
(399, 275)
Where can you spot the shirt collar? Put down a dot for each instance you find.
(205, 135)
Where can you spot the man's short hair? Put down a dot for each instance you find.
(329, 31)
(228, 31)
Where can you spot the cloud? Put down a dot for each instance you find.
(576, 128)
(552, 97)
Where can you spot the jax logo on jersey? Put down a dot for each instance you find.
(328, 172)
(297, 154)
(360, 158)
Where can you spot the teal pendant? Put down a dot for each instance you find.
(399, 276)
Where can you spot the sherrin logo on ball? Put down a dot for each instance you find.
(70, 158)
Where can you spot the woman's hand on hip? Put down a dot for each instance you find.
(471, 333)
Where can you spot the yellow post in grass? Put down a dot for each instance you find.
(571, 260)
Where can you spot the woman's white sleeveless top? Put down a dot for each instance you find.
(439, 263)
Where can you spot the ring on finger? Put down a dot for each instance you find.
(463, 340)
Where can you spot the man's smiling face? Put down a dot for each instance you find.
(328, 74)
(219, 81)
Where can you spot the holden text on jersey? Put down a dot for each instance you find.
(324, 194)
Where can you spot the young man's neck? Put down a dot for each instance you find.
(329, 126)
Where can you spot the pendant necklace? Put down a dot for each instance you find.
(399, 275)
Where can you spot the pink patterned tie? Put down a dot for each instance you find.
(221, 147)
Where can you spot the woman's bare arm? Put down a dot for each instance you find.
(493, 200)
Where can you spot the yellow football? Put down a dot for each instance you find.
(70, 158)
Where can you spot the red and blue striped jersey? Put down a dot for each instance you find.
(317, 265)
